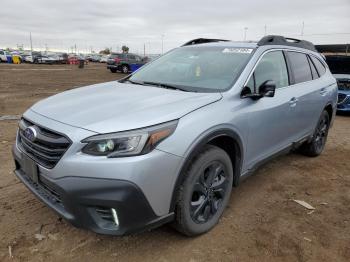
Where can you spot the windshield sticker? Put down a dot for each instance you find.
(238, 50)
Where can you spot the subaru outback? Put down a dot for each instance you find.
(170, 141)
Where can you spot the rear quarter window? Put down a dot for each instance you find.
(313, 69)
(300, 67)
(321, 69)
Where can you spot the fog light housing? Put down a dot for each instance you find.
(115, 216)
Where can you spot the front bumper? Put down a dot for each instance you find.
(88, 202)
(344, 105)
(343, 108)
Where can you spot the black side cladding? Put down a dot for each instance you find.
(281, 40)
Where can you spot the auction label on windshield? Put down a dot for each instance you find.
(238, 50)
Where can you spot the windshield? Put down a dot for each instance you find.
(197, 68)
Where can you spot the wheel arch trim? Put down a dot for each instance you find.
(197, 145)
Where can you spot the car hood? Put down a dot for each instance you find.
(112, 106)
(346, 92)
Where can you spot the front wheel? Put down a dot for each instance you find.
(205, 192)
(319, 138)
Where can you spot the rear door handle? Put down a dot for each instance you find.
(293, 101)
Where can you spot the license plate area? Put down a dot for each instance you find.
(30, 168)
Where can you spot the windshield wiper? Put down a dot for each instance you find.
(133, 82)
(167, 86)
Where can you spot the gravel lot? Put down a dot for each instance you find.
(262, 223)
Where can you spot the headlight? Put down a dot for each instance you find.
(130, 143)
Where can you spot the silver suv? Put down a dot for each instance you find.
(168, 142)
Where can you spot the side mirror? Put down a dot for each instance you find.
(267, 88)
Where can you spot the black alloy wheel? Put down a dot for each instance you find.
(208, 193)
(320, 136)
(315, 146)
(205, 191)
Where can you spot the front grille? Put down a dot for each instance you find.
(55, 196)
(47, 148)
(343, 84)
(45, 192)
(341, 98)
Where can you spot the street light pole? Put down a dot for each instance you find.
(245, 33)
(302, 29)
(162, 44)
(31, 44)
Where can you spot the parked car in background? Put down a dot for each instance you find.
(62, 58)
(339, 65)
(168, 142)
(104, 58)
(123, 62)
(343, 105)
(3, 55)
(96, 58)
(32, 57)
(44, 59)
(73, 59)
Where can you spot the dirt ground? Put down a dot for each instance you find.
(262, 223)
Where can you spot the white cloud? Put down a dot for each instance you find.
(111, 23)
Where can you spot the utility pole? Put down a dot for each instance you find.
(162, 43)
(302, 30)
(144, 49)
(245, 33)
(265, 29)
(31, 43)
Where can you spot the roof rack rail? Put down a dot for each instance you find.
(281, 40)
(203, 41)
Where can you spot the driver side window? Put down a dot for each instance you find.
(272, 66)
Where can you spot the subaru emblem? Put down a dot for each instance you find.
(30, 133)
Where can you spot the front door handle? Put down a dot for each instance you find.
(293, 101)
(323, 91)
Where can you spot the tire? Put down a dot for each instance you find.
(205, 192)
(113, 70)
(125, 69)
(315, 147)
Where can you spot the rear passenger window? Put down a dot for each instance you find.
(321, 69)
(313, 69)
(300, 67)
(272, 66)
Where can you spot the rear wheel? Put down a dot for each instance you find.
(317, 144)
(113, 70)
(205, 192)
(125, 69)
